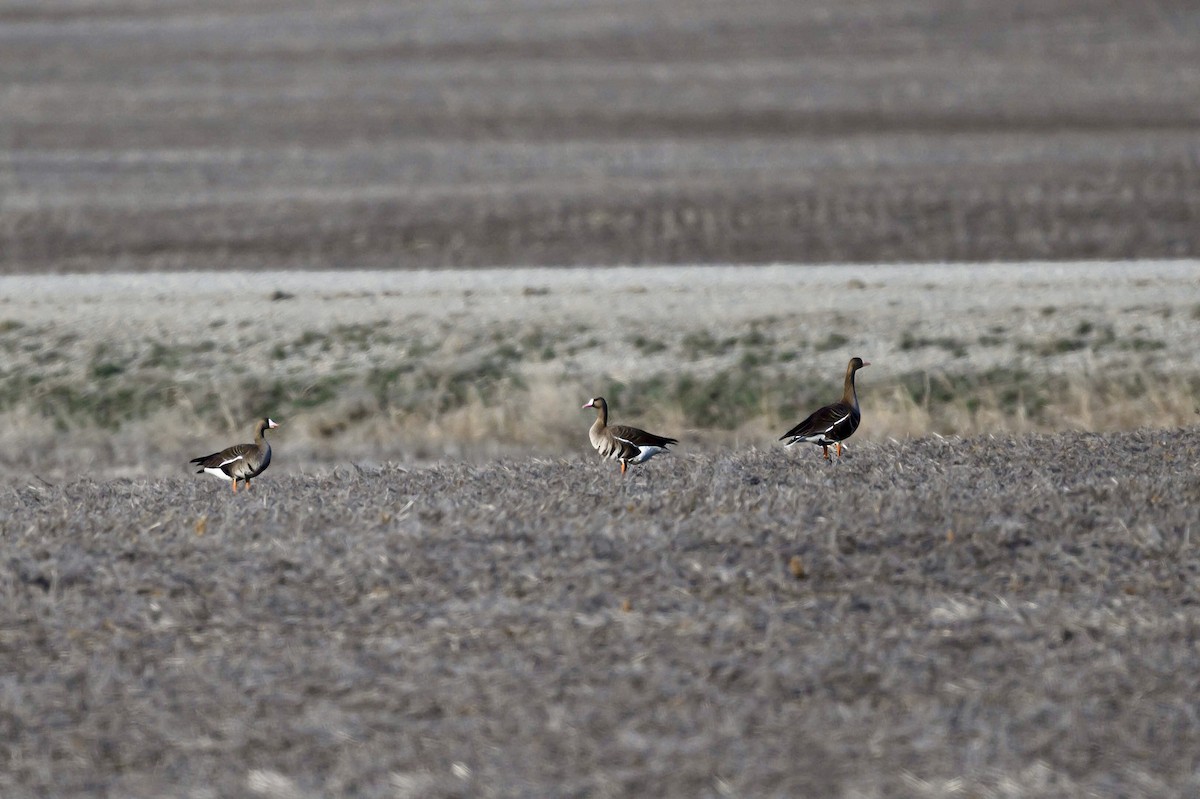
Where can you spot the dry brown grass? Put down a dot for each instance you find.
(544, 420)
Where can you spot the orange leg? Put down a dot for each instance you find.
(839, 450)
(825, 447)
(235, 485)
(248, 481)
(624, 466)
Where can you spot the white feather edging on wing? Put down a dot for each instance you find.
(835, 424)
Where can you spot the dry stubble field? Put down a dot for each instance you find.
(986, 617)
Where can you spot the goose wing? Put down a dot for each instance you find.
(835, 422)
(219, 460)
(639, 438)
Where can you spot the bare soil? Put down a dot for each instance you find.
(991, 616)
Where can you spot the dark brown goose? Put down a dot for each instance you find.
(834, 423)
(620, 442)
(241, 461)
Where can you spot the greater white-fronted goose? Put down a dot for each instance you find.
(834, 423)
(241, 461)
(621, 442)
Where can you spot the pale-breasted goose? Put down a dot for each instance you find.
(834, 423)
(621, 442)
(241, 461)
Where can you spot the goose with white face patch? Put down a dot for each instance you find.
(241, 461)
(834, 423)
(621, 442)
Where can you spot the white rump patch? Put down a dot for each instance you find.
(646, 453)
(815, 438)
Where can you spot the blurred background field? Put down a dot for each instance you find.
(351, 134)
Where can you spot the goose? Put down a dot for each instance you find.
(241, 461)
(626, 444)
(833, 424)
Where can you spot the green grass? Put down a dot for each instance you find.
(833, 341)
(588, 344)
(955, 347)
(756, 338)
(1060, 346)
(419, 380)
(172, 357)
(105, 405)
(537, 344)
(283, 397)
(107, 369)
(356, 336)
(722, 401)
(703, 344)
(647, 346)
(309, 337)
(1088, 335)
(1008, 390)
(725, 400)
(1140, 344)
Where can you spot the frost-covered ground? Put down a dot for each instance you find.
(877, 308)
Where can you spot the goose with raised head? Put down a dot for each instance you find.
(831, 425)
(241, 461)
(621, 442)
